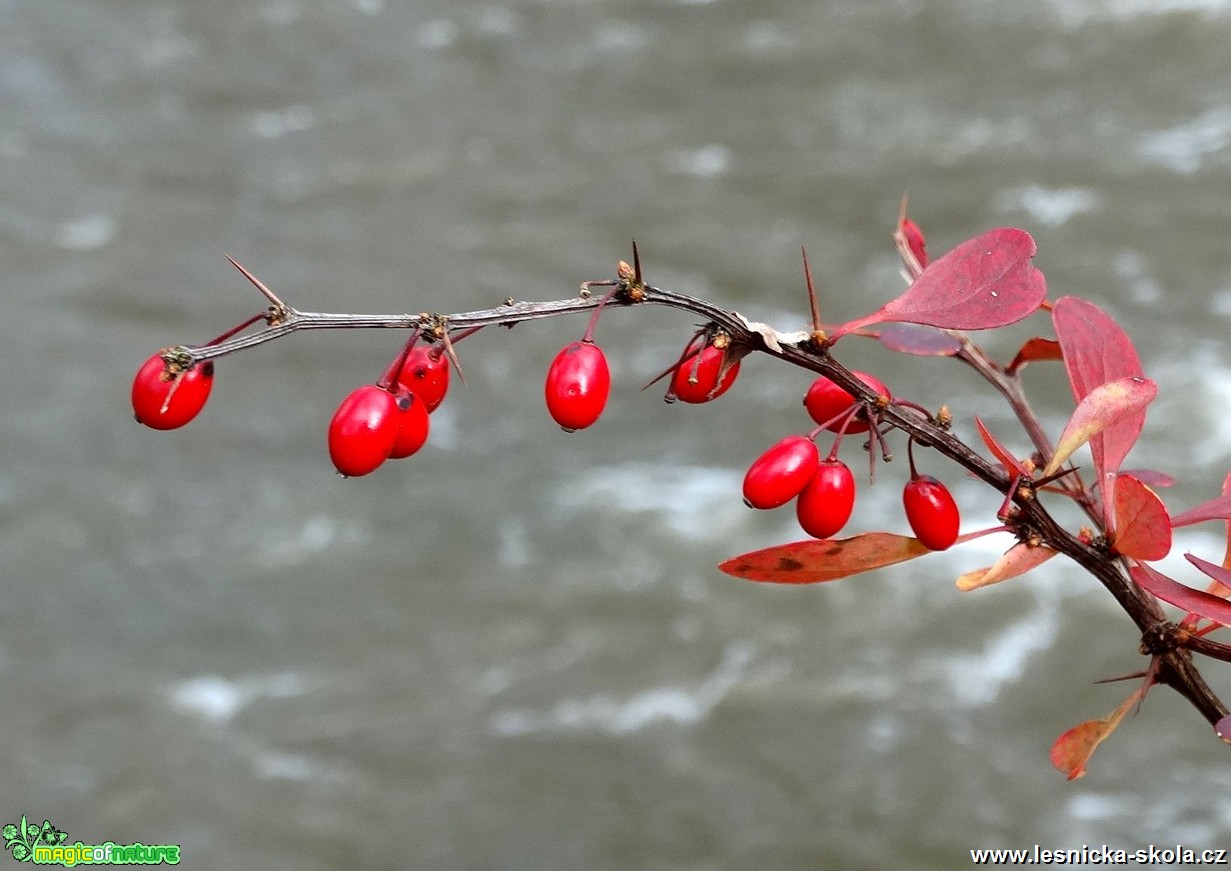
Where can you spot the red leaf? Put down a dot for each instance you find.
(1221, 576)
(1151, 477)
(1194, 601)
(1143, 529)
(985, 282)
(1096, 351)
(1215, 588)
(1074, 748)
(1226, 558)
(920, 341)
(1218, 508)
(1011, 464)
(811, 562)
(1099, 410)
(1034, 350)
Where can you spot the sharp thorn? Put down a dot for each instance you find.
(256, 282)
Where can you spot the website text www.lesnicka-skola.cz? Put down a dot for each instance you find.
(1172, 855)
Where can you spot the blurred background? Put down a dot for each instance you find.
(514, 650)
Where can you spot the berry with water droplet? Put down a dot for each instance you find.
(363, 430)
(577, 385)
(166, 399)
(826, 503)
(931, 512)
(779, 474)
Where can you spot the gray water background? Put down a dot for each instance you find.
(514, 650)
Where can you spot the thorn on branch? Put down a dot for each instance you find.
(278, 310)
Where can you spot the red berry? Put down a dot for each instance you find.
(931, 512)
(706, 386)
(412, 427)
(780, 473)
(363, 430)
(426, 374)
(162, 400)
(826, 400)
(577, 385)
(826, 503)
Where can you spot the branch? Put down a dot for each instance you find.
(1161, 638)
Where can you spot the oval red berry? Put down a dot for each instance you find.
(826, 402)
(696, 379)
(413, 425)
(162, 400)
(780, 473)
(931, 512)
(425, 373)
(363, 430)
(577, 386)
(826, 503)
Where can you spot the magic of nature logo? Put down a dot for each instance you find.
(45, 845)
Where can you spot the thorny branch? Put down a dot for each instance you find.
(1169, 646)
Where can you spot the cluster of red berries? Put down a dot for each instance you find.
(390, 420)
(824, 488)
(375, 423)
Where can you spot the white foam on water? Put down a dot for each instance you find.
(1184, 147)
(696, 502)
(1050, 206)
(218, 699)
(663, 705)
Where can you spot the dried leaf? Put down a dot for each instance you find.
(1097, 351)
(1102, 408)
(1074, 748)
(920, 341)
(1143, 528)
(812, 562)
(1195, 601)
(1033, 351)
(985, 282)
(1016, 561)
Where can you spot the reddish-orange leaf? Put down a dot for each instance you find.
(1074, 748)
(985, 282)
(1142, 529)
(811, 562)
(1195, 601)
(920, 341)
(1016, 561)
(1034, 350)
(1099, 410)
(1011, 464)
(1096, 351)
